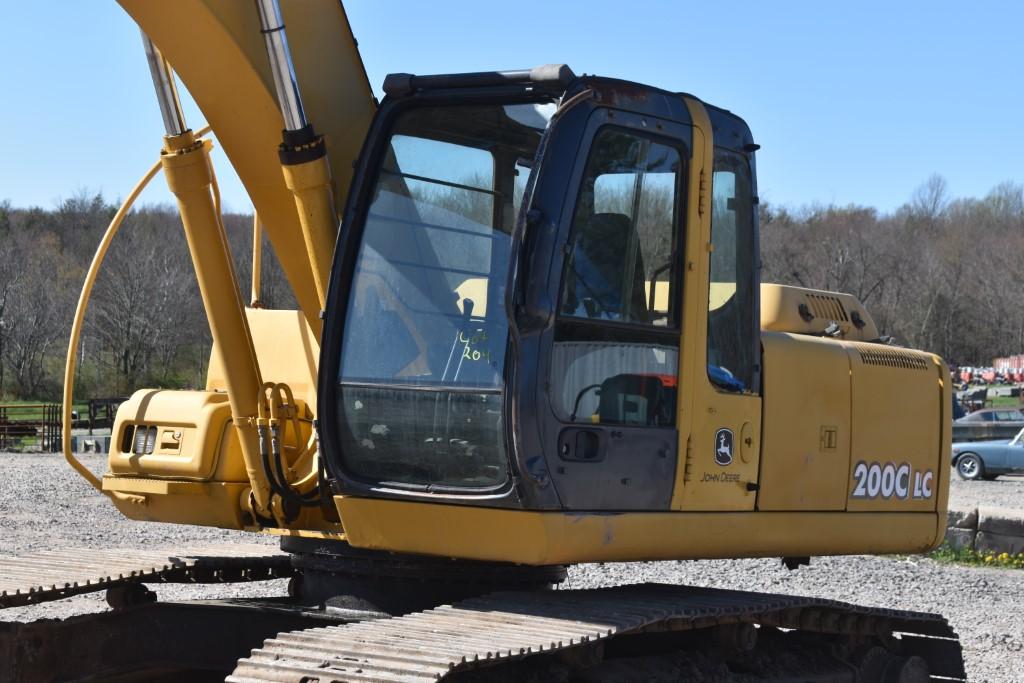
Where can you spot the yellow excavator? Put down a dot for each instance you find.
(530, 334)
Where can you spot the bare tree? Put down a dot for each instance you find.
(930, 199)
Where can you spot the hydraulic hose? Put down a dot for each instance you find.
(277, 396)
(76, 325)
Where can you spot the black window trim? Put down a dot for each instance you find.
(611, 330)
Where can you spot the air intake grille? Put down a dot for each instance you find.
(827, 307)
(892, 358)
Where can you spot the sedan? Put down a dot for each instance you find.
(988, 459)
(994, 415)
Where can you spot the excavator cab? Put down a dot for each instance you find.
(544, 335)
(506, 313)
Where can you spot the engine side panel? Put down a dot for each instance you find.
(854, 426)
(900, 448)
(806, 434)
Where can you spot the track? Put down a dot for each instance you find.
(492, 633)
(644, 632)
(56, 574)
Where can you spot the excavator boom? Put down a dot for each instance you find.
(217, 50)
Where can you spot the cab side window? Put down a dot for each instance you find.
(622, 237)
(732, 330)
(616, 338)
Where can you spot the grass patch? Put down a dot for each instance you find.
(20, 411)
(950, 555)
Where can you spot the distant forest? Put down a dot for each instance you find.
(937, 273)
(145, 325)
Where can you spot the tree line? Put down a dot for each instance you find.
(937, 273)
(145, 325)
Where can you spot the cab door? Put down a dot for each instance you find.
(720, 378)
(613, 361)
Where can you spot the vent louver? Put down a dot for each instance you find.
(891, 358)
(827, 307)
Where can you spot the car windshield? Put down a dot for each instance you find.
(1019, 439)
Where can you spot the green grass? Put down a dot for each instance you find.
(1005, 402)
(37, 414)
(968, 556)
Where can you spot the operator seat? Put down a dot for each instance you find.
(596, 285)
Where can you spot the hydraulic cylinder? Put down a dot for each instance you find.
(303, 155)
(310, 182)
(186, 165)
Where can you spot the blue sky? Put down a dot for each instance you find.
(856, 102)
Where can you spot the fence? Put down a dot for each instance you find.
(24, 423)
(101, 413)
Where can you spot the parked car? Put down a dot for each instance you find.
(988, 424)
(994, 415)
(988, 459)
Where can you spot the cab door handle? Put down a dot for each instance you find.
(581, 445)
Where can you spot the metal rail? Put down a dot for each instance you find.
(38, 422)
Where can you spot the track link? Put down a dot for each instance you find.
(501, 628)
(55, 574)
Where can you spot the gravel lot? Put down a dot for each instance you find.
(46, 505)
(1003, 492)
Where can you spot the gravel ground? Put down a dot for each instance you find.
(46, 505)
(1002, 492)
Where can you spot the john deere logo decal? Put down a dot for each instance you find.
(723, 447)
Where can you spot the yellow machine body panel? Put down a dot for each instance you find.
(704, 411)
(286, 350)
(216, 48)
(214, 504)
(817, 395)
(195, 473)
(188, 430)
(811, 311)
(806, 456)
(538, 538)
(900, 423)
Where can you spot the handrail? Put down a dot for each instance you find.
(76, 325)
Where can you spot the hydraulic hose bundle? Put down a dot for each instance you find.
(278, 410)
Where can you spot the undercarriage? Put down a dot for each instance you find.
(356, 615)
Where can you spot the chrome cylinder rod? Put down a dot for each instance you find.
(272, 28)
(166, 91)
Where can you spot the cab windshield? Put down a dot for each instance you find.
(422, 363)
